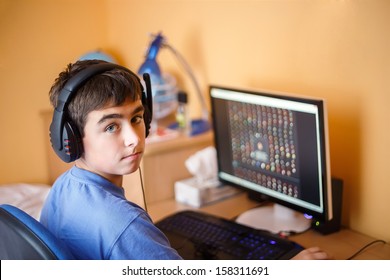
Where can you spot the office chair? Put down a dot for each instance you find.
(23, 238)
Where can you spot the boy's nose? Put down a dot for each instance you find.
(131, 137)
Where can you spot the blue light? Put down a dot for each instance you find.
(307, 216)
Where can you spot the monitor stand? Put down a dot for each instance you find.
(275, 218)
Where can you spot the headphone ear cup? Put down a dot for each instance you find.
(147, 115)
(147, 102)
(72, 143)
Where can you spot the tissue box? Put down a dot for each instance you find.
(195, 194)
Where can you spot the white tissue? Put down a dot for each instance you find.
(203, 165)
(204, 187)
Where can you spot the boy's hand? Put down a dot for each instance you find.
(313, 253)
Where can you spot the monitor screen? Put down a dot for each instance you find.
(274, 145)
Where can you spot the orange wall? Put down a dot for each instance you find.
(37, 40)
(332, 49)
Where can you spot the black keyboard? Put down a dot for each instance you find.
(197, 235)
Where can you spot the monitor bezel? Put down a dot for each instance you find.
(320, 103)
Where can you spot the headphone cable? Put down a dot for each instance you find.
(143, 190)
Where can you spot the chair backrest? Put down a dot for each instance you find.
(24, 238)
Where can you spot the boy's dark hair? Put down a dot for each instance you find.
(112, 87)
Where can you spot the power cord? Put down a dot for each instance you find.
(365, 247)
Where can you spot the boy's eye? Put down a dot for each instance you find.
(111, 128)
(137, 119)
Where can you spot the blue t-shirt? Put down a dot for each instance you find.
(96, 221)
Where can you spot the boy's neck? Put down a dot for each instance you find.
(117, 180)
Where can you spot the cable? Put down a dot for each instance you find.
(143, 190)
(365, 247)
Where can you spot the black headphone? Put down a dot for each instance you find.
(65, 137)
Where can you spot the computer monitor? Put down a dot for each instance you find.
(274, 145)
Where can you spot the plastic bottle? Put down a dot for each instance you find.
(182, 117)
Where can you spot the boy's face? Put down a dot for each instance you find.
(114, 141)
